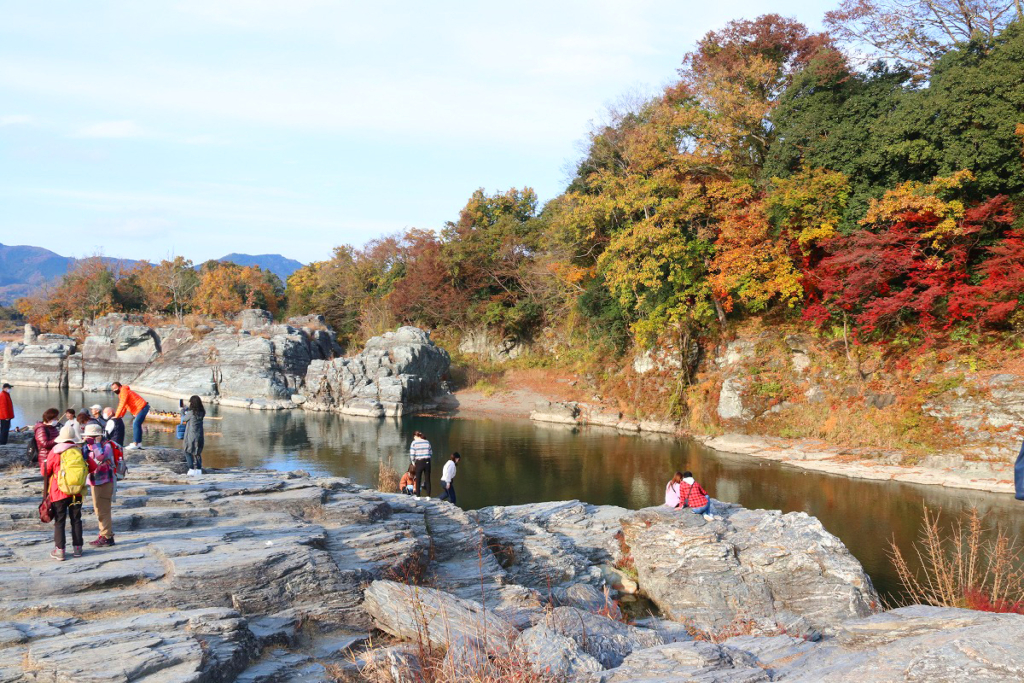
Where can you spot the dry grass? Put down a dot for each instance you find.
(387, 477)
(963, 566)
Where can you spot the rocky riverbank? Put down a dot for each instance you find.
(271, 576)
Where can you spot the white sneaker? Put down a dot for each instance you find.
(131, 447)
(190, 473)
(708, 517)
(198, 473)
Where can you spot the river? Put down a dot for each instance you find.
(512, 461)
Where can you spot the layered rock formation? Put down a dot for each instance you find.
(253, 363)
(394, 373)
(273, 576)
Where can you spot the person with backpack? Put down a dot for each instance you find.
(420, 452)
(448, 478)
(67, 469)
(130, 402)
(692, 495)
(44, 438)
(192, 417)
(6, 412)
(102, 477)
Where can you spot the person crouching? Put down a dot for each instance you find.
(448, 478)
(693, 496)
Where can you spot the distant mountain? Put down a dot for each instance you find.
(24, 269)
(275, 263)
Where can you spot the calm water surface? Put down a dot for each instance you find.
(507, 462)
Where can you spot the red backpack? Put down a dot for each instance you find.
(120, 466)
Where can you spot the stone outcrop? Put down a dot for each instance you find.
(394, 373)
(263, 576)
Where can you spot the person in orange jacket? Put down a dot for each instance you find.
(6, 413)
(130, 402)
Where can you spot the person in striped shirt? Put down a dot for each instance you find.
(420, 452)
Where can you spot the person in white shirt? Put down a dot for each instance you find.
(448, 478)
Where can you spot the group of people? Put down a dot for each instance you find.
(682, 491)
(87, 449)
(417, 479)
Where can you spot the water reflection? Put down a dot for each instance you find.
(515, 461)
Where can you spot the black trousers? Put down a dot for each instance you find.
(422, 468)
(449, 493)
(5, 429)
(69, 507)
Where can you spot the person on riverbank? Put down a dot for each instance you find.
(192, 416)
(6, 412)
(407, 485)
(66, 469)
(420, 452)
(672, 499)
(102, 475)
(96, 415)
(448, 478)
(45, 435)
(113, 427)
(693, 496)
(130, 402)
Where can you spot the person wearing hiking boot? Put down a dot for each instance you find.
(67, 470)
(130, 402)
(6, 413)
(694, 496)
(192, 415)
(420, 453)
(100, 456)
(44, 434)
(448, 478)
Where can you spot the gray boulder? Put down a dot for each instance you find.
(560, 412)
(552, 654)
(606, 640)
(784, 570)
(415, 612)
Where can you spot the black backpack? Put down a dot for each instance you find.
(32, 452)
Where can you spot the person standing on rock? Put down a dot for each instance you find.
(6, 413)
(96, 416)
(45, 434)
(448, 478)
(130, 402)
(102, 475)
(113, 427)
(66, 470)
(192, 416)
(695, 497)
(420, 452)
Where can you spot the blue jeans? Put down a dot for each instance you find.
(706, 510)
(137, 421)
(449, 492)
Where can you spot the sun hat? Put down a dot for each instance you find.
(66, 435)
(93, 429)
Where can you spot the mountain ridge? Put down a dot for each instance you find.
(25, 268)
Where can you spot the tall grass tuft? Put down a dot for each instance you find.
(387, 477)
(963, 566)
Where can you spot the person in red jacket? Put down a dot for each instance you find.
(6, 413)
(693, 496)
(130, 402)
(45, 433)
(65, 507)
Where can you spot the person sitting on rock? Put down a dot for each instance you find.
(130, 402)
(695, 497)
(672, 491)
(421, 452)
(102, 475)
(408, 483)
(113, 427)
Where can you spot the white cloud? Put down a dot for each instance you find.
(15, 120)
(112, 129)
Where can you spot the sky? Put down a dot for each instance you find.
(203, 127)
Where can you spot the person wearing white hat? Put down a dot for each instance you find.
(102, 475)
(65, 505)
(94, 415)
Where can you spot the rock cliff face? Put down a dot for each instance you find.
(396, 372)
(254, 363)
(278, 576)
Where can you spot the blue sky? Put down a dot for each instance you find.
(202, 127)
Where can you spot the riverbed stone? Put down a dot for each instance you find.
(750, 564)
(553, 654)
